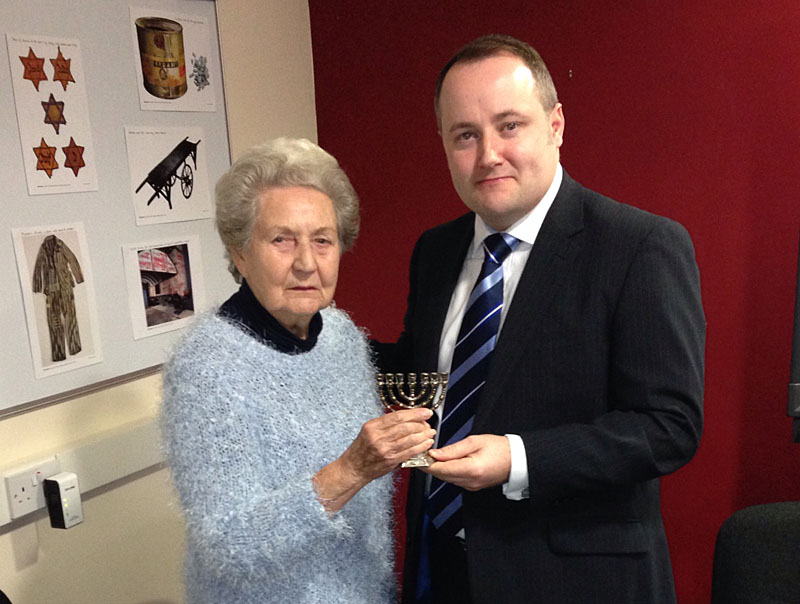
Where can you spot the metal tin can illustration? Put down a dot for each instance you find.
(161, 52)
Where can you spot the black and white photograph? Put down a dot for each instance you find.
(169, 178)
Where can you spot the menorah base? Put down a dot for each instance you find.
(420, 460)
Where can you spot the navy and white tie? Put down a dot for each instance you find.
(468, 371)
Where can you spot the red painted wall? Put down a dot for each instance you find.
(684, 108)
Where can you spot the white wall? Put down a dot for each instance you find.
(129, 550)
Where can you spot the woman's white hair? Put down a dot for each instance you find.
(281, 162)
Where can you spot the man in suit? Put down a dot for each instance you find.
(589, 391)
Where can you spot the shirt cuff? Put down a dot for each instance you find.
(517, 487)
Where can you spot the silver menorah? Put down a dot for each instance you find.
(403, 391)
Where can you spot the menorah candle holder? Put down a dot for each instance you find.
(403, 391)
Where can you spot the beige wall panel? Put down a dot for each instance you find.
(268, 70)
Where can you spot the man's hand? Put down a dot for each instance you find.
(477, 462)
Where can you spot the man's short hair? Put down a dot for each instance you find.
(499, 44)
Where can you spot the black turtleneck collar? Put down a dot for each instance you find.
(244, 310)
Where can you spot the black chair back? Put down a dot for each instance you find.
(757, 556)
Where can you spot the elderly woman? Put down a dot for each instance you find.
(272, 427)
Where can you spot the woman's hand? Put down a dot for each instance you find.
(382, 444)
(387, 441)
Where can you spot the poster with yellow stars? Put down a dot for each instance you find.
(52, 114)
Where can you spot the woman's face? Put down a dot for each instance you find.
(292, 262)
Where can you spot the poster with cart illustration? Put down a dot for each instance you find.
(58, 292)
(168, 175)
(172, 54)
(165, 284)
(52, 113)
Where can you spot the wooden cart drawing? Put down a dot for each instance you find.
(172, 168)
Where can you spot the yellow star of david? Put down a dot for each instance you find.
(46, 158)
(61, 68)
(34, 68)
(54, 112)
(74, 155)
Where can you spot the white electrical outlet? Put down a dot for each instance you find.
(24, 486)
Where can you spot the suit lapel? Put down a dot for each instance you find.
(547, 264)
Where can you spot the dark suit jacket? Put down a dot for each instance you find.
(599, 368)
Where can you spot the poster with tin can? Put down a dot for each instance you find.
(172, 54)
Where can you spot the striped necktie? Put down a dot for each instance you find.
(468, 371)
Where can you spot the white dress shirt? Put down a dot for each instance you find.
(526, 230)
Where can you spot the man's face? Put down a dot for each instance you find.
(501, 144)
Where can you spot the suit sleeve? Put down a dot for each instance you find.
(653, 420)
(72, 263)
(38, 271)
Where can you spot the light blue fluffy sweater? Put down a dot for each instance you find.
(245, 428)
